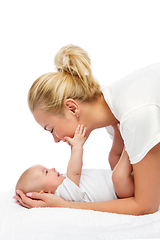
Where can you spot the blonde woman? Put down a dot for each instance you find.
(71, 96)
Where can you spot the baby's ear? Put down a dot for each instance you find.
(45, 192)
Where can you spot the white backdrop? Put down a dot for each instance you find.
(120, 37)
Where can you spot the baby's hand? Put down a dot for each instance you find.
(79, 137)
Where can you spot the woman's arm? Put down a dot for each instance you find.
(146, 199)
(147, 189)
(122, 178)
(117, 147)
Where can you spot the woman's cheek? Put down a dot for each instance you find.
(60, 134)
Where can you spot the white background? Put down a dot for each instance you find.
(120, 36)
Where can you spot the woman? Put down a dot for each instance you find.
(71, 96)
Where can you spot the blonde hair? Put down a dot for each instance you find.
(73, 79)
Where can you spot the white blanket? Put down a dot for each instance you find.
(17, 223)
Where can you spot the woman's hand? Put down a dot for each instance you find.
(34, 200)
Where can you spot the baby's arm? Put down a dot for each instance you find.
(75, 163)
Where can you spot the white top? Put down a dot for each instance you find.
(95, 186)
(135, 102)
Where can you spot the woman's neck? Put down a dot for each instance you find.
(97, 114)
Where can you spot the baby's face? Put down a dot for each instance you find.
(47, 179)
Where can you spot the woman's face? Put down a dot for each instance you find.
(59, 126)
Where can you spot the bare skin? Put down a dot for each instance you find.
(92, 115)
(122, 178)
(146, 172)
(117, 147)
(145, 201)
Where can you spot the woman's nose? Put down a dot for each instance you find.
(56, 139)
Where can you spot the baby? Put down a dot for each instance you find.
(88, 185)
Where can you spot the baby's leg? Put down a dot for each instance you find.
(121, 177)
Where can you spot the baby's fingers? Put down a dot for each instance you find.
(81, 129)
(78, 129)
(84, 131)
(68, 140)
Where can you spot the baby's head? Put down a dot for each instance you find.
(39, 179)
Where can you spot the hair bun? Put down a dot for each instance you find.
(73, 60)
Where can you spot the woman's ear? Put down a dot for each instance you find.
(72, 106)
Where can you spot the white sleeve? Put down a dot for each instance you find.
(70, 191)
(140, 130)
(110, 130)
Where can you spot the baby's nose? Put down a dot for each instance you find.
(53, 169)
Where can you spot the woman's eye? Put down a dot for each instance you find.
(46, 172)
(52, 130)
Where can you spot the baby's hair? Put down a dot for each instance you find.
(26, 180)
(73, 79)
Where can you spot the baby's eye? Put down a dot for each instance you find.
(52, 130)
(46, 172)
